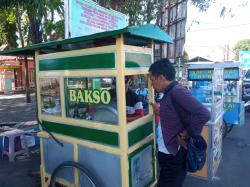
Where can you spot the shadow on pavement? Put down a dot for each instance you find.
(24, 172)
(235, 166)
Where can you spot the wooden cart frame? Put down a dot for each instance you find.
(119, 53)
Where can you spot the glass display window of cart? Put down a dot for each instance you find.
(230, 91)
(205, 86)
(137, 92)
(218, 90)
(91, 98)
(50, 96)
(202, 91)
(231, 77)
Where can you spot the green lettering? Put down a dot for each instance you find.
(105, 96)
(96, 96)
(72, 95)
(87, 96)
(80, 96)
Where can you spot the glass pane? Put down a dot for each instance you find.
(136, 96)
(50, 96)
(165, 18)
(91, 98)
(172, 14)
(142, 167)
(172, 31)
(202, 91)
(182, 10)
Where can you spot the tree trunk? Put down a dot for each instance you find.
(36, 35)
(160, 12)
(19, 28)
(27, 84)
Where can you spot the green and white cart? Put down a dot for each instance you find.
(81, 107)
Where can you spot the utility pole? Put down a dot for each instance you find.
(227, 52)
(27, 84)
(179, 69)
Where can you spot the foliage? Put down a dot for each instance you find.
(40, 17)
(183, 59)
(203, 5)
(146, 11)
(7, 28)
(134, 11)
(229, 9)
(185, 56)
(139, 11)
(242, 45)
(35, 19)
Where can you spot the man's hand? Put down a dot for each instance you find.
(156, 108)
(183, 139)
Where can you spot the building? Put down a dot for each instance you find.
(173, 21)
(12, 74)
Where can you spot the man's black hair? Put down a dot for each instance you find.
(163, 67)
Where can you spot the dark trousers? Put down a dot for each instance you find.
(172, 169)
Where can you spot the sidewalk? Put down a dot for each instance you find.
(15, 112)
(13, 108)
(233, 170)
(235, 165)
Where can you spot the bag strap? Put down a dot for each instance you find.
(178, 112)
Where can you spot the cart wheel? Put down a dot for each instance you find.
(224, 129)
(69, 168)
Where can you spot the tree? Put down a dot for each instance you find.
(8, 28)
(185, 57)
(37, 13)
(31, 18)
(203, 5)
(145, 11)
(228, 9)
(35, 19)
(242, 45)
(139, 11)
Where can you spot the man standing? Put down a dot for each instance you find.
(172, 138)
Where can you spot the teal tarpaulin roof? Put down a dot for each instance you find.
(148, 31)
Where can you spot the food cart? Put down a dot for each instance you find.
(206, 84)
(81, 107)
(233, 105)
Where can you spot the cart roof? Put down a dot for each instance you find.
(148, 31)
(212, 65)
(201, 66)
(229, 65)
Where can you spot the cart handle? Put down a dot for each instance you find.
(52, 136)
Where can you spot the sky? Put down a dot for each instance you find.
(208, 34)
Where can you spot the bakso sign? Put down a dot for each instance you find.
(89, 96)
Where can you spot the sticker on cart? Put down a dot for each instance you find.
(200, 74)
(231, 74)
